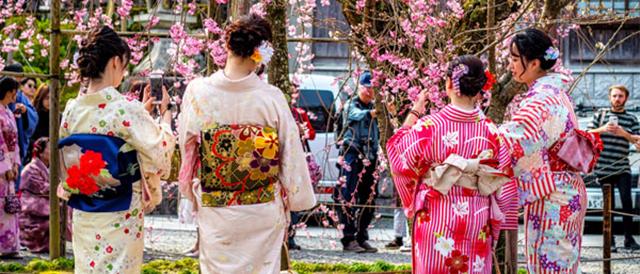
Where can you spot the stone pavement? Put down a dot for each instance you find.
(166, 236)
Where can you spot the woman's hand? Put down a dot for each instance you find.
(147, 100)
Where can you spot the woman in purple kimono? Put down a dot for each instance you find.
(9, 163)
(34, 217)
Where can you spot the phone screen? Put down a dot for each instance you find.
(156, 88)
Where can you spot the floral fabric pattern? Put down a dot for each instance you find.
(553, 234)
(240, 164)
(453, 233)
(113, 242)
(9, 156)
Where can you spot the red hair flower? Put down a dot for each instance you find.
(491, 80)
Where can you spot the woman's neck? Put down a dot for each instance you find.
(538, 75)
(238, 68)
(463, 102)
(96, 85)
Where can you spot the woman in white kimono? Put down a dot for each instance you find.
(110, 196)
(243, 164)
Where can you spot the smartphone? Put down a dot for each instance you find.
(613, 120)
(156, 87)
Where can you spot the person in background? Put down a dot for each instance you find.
(306, 133)
(26, 117)
(360, 152)
(9, 228)
(28, 87)
(41, 104)
(613, 167)
(34, 217)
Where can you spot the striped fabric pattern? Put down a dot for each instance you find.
(455, 227)
(553, 231)
(614, 158)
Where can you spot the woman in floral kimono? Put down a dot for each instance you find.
(243, 164)
(444, 167)
(34, 217)
(9, 163)
(553, 196)
(110, 196)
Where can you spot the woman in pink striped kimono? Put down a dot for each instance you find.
(553, 195)
(445, 169)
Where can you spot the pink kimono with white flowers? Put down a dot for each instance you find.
(444, 170)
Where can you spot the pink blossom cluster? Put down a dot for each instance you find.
(138, 45)
(125, 8)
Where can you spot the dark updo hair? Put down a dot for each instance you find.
(532, 44)
(39, 146)
(471, 83)
(97, 48)
(8, 84)
(26, 80)
(246, 34)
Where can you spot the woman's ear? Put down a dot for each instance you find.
(449, 83)
(534, 65)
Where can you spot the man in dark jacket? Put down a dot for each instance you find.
(360, 154)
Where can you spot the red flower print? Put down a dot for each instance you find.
(424, 217)
(127, 216)
(164, 143)
(138, 235)
(457, 263)
(92, 264)
(126, 231)
(98, 237)
(565, 213)
(109, 249)
(126, 123)
(65, 125)
(487, 230)
(110, 133)
(140, 215)
(94, 130)
(91, 162)
(80, 176)
(101, 106)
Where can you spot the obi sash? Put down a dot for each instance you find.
(116, 165)
(239, 165)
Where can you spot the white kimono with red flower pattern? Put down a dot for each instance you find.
(242, 238)
(113, 242)
(453, 232)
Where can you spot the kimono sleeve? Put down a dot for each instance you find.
(7, 162)
(294, 172)
(189, 142)
(523, 137)
(155, 144)
(409, 160)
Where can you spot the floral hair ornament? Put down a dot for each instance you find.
(552, 53)
(491, 80)
(262, 54)
(457, 73)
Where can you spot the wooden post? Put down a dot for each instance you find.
(606, 229)
(239, 8)
(54, 124)
(511, 252)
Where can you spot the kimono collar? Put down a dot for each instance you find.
(457, 114)
(101, 96)
(244, 84)
(40, 164)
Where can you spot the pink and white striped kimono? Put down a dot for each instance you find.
(456, 218)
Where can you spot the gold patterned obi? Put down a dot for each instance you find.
(239, 165)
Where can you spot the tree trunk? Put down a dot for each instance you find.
(279, 65)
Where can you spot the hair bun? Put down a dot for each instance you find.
(246, 34)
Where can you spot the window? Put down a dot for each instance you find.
(318, 103)
(583, 41)
(595, 7)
